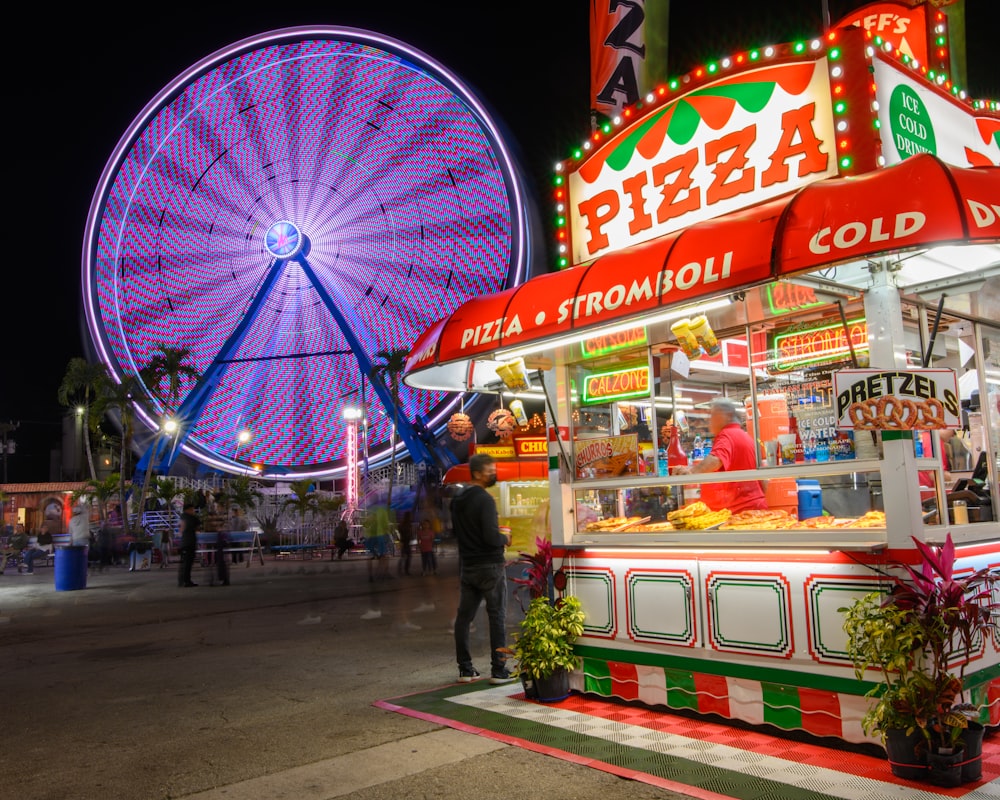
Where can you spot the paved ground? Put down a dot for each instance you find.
(135, 688)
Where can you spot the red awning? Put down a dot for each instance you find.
(919, 203)
(523, 470)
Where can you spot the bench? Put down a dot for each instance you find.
(236, 542)
(16, 561)
(302, 551)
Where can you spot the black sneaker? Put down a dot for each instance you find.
(499, 676)
(468, 675)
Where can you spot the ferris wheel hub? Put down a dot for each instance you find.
(283, 239)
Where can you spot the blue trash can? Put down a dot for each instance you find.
(810, 499)
(71, 568)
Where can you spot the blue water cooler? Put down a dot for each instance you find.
(810, 499)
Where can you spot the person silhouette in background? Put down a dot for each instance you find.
(189, 544)
(405, 529)
(378, 524)
(341, 539)
(425, 540)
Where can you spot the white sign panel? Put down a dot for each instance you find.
(904, 399)
(914, 117)
(725, 146)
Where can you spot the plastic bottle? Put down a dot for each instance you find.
(809, 447)
(793, 427)
(676, 457)
(697, 451)
(661, 462)
(823, 449)
(918, 444)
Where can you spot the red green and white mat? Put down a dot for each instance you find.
(703, 758)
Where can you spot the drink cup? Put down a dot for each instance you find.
(505, 532)
(686, 339)
(705, 336)
(771, 453)
(517, 409)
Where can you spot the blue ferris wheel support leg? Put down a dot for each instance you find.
(420, 450)
(194, 404)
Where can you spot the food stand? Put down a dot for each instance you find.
(522, 488)
(827, 215)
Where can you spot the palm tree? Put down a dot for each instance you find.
(244, 494)
(118, 397)
(390, 372)
(101, 491)
(167, 366)
(165, 489)
(303, 500)
(86, 379)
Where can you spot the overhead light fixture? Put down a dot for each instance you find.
(677, 312)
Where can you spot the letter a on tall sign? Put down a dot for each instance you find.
(619, 34)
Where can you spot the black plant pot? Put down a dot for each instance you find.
(972, 764)
(945, 769)
(553, 688)
(547, 690)
(906, 754)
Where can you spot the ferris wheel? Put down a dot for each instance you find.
(286, 209)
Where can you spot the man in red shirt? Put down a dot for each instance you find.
(732, 449)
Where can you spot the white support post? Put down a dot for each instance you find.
(887, 349)
(562, 510)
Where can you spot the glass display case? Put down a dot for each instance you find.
(629, 408)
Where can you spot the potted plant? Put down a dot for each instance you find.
(928, 621)
(543, 647)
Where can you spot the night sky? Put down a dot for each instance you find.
(77, 81)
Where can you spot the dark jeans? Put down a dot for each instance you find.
(222, 568)
(184, 570)
(30, 553)
(482, 582)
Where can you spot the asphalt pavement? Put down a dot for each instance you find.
(135, 688)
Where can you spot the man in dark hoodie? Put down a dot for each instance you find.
(483, 575)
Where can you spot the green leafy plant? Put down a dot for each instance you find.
(545, 641)
(928, 620)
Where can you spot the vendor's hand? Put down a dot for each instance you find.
(685, 470)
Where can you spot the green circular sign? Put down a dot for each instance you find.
(910, 123)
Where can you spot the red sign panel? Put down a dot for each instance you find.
(531, 447)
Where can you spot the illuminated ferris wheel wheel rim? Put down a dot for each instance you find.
(110, 247)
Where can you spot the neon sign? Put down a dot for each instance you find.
(617, 385)
(351, 446)
(801, 348)
(612, 342)
(783, 297)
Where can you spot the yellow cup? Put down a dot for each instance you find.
(705, 336)
(517, 409)
(686, 339)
